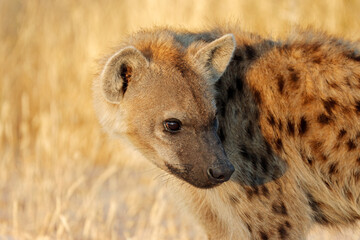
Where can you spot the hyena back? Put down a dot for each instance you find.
(262, 136)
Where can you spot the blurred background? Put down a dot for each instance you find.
(61, 177)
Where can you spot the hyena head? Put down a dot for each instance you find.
(160, 96)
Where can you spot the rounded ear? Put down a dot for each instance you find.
(125, 66)
(216, 56)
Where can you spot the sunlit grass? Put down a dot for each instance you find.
(60, 176)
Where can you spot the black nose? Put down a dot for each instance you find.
(220, 173)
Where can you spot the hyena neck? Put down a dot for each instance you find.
(238, 110)
(238, 103)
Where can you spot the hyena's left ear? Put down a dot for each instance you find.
(216, 56)
(127, 65)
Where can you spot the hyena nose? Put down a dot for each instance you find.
(220, 173)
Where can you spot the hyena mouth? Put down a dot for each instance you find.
(179, 170)
(200, 179)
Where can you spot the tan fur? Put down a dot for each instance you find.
(289, 116)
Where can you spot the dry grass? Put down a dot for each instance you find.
(60, 176)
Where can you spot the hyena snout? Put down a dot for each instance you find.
(220, 173)
(221, 169)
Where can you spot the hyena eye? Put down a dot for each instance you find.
(172, 125)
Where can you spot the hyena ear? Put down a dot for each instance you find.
(216, 56)
(125, 66)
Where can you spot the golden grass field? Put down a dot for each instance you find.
(61, 177)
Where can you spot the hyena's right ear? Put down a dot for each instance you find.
(125, 66)
(216, 56)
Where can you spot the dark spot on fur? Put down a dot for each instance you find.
(279, 208)
(238, 56)
(357, 106)
(287, 224)
(316, 146)
(271, 119)
(353, 56)
(265, 191)
(255, 190)
(357, 176)
(279, 144)
(264, 164)
(250, 52)
(182, 67)
(280, 82)
(310, 160)
(324, 157)
(323, 119)
(313, 47)
(329, 105)
(333, 168)
(268, 148)
(239, 84)
(294, 76)
(307, 100)
(234, 199)
(303, 126)
(263, 236)
(358, 160)
(249, 192)
(230, 93)
(348, 194)
(318, 215)
(257, 97)
(334, 85)
(351, 145)
(290, 128)
(285, 48)
(327, 184)
(317, 60)
(282, 232)
(341, 134)
(249, 227)
(280, 124)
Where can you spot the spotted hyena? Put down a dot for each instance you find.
(262, 136)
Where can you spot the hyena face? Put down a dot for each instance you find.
(160, 97)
